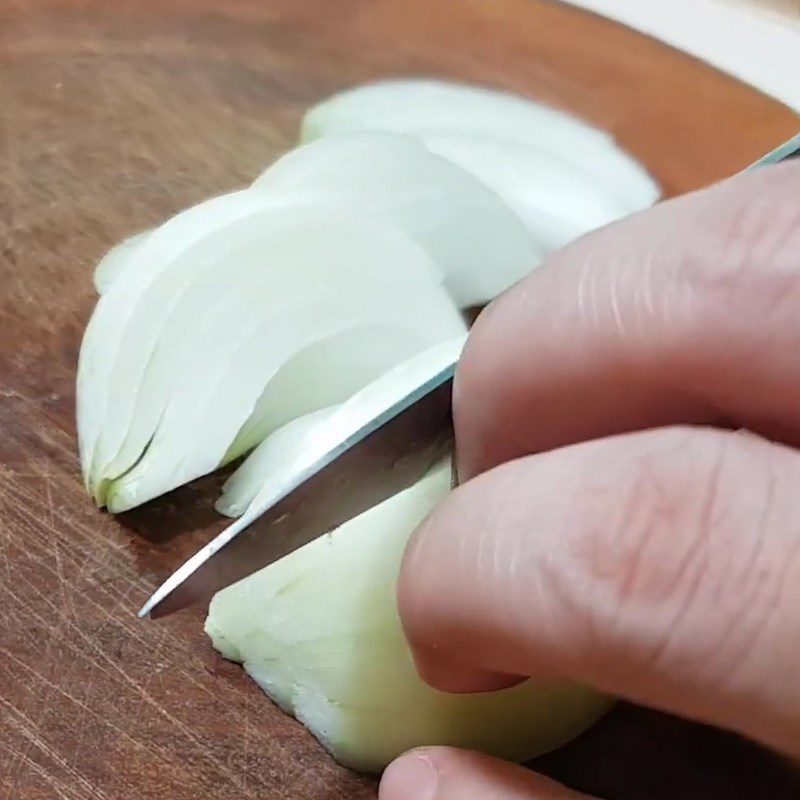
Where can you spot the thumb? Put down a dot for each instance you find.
(445, 773)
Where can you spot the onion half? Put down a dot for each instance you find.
(319, 632)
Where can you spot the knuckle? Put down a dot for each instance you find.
(654, 568)
(740, 265)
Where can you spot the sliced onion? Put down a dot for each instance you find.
(412, 106)
(114, 261)
(319, 632)
(479, 243)
(180, 243)
(265, 288)
(557, 201)
(268, 470)
(334, 266)
(407, 105)
(267, 461)
(341, 364)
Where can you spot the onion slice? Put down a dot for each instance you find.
(557, 201)
(479, 243)
(181, 239)
(341, 364)
(115, 260)
(344, 258)
(270, 466)
(268, 460)
(414, 106)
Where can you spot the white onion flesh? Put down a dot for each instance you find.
(341, 365)
(557, 201)
(115, 261)
(406, 105)
(210, 327)
(319, 632)
(479, 243)
(269, 468)
(268, 461)
(415, 106)
(182, 239)
(265, 289)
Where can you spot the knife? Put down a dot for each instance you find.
(359, 456)
(383, 447)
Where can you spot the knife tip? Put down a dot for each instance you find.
(145, 610)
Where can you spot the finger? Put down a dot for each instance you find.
(444, 773)
(662, 567)
(682, 314)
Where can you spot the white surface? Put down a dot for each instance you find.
(755, 41)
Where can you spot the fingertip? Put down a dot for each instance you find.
(448, 773)
(413, 776)
(417, 589)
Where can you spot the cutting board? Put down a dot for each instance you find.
(114, 115)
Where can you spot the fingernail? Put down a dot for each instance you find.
(445, 675)
(412, 777)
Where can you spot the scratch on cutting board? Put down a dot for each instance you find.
(61, 789)
(84, 563)
(151, 751)
(75, 650)
(108, 614)
(84, 560)
(25, 726)
(235, 779)
(13, 393)
(23, 500)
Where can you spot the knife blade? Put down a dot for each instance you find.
(364, 455)
(787, 150)
(385, 449)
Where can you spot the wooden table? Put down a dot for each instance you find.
(114, 114)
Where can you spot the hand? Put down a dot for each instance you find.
(613, 525)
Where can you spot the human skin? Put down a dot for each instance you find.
(615, 524)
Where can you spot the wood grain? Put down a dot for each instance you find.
(116, 114)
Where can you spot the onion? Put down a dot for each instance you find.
(264, 475)
(418, 106)
(211, 329)
(397, 179)
(479, 243)
(115, 260)
(557, 201)
(342, 364)
(224, 313)
(171, 243)
(406, 105)
(281, 318)
(267, 462)
(319, 632)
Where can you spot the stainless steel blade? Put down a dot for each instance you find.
(787, 150)
(380, 455)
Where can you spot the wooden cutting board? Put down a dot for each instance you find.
(114, 115)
